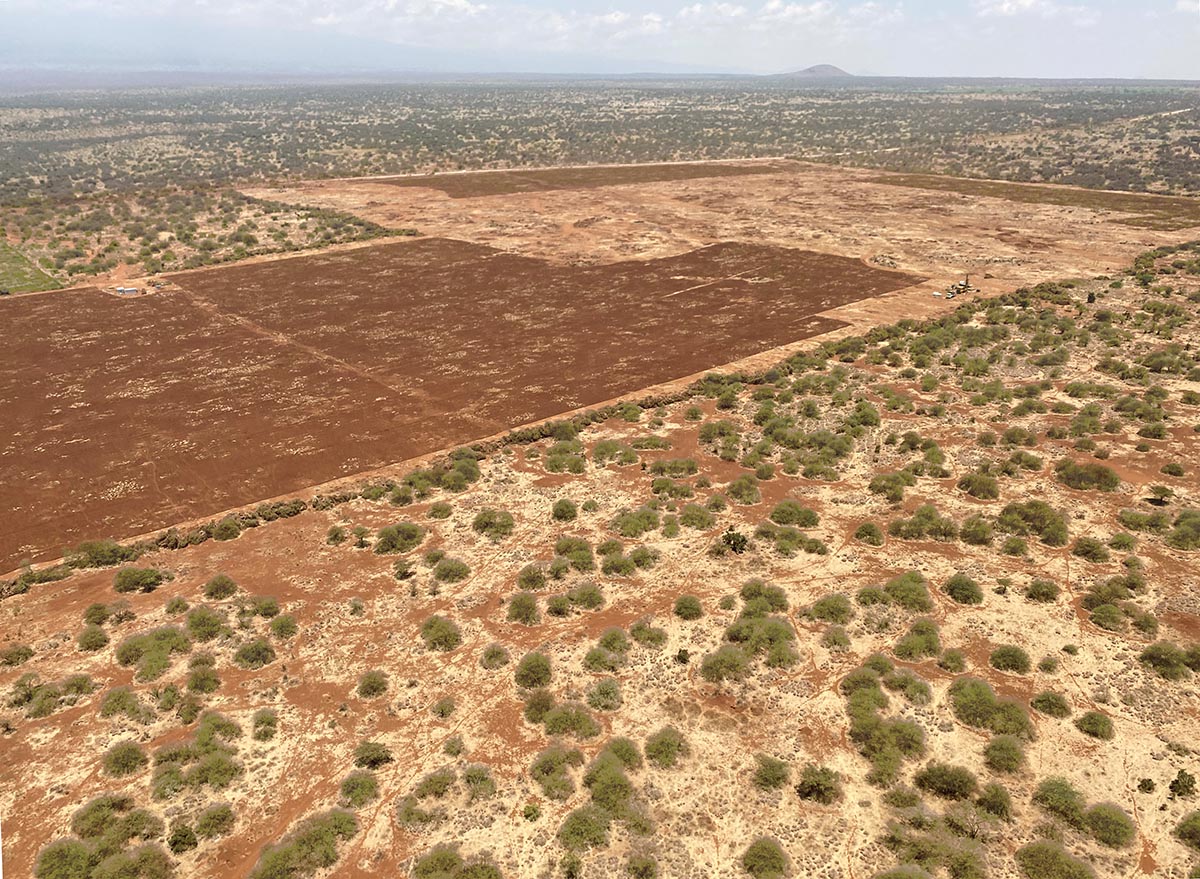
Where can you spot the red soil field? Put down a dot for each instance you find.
(472, 184)
(248, 382)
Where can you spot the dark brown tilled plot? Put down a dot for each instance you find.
(253, 381)
(473, 184)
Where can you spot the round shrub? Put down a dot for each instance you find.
(440, 633)
(1010, 658)
(220, 587)
(764, 859)
(770, 773)
(284, 626)
(372, 755)
(832, 609)
(92, 638)
(1050, 703)
(1096, 725)
(533, 671)
(1110, 825)
(124, 758)
(819, 783)
(1041, 591)
(946, 781)
(493, 523)
(523, 608)
(869, 533)
(605, 695)
(1047, 860)
(963, 589)
(1004, 754)
(359, 788)
(449, 570)
(254, 654)
(564, 510)
(371, 684)
(665, 747)
(494, 656)
(1188, 831)
(687, 607)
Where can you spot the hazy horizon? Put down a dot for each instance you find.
(1043, 39)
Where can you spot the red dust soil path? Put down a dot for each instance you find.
(247, 382)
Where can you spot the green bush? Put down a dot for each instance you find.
(398, 538)
(440, 633)
(1041, 591)
(1050, 703)
(310, 847)
(92, 638)
(564, 510)
(687, 607)
(449, 570)
(1004, 754)
(790, 512)
(922, 640)
(220, 587)
(995, 800)
(124, 758)
(1096, 725)
(494, 656)
(359, 788)
(665, 747)
(765, 859)
(975, 704)
(770, 773)
(1086, 476)
(963, 589)
(585, 827)
(1188, 831)
(1090, 549)
(869, 533)
(139, 579)
(493, 523)
(729, 662)
(371, 684)
(254, 654)
(182, 839)
(1110, 825)
(64, 859)
(100, 554)
(372, 755)
(523, 608)
(533, 671)
(1060, 798)
(204, 624)
(284, 626)
(909, 590)
(215, 821)
(1166, 660)
(819, 783)
(1010, 658)
(1044, 859)
(834, 608)
(946, 781)
(605, 695)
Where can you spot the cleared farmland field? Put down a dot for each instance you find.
(473, 184)
(248, 382)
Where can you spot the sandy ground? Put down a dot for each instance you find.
(940, 235)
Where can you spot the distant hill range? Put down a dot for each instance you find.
(817, 71)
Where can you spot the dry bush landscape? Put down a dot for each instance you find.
(645, 521)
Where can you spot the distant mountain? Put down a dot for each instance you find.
(817, 71)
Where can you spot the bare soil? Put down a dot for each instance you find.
(252, 381)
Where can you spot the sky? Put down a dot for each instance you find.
(1023, 38)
